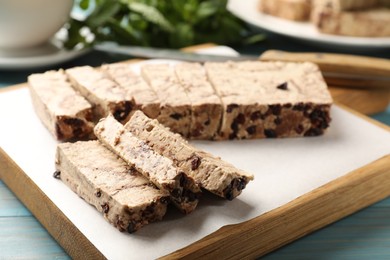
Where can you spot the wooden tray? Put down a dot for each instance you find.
(256, 237)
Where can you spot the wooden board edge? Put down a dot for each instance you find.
(306, 214)
(367, 118)
(197, 47)
(13, 87)
(368, 101)
(48, 214)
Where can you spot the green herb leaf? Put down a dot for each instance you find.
(207, 9)
(151, 14)
(102, 13)
(183, 36)
(74, 35)
(124, 34)
(84, 4)
(172, 24)
(252, 39)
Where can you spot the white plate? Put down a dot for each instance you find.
(43, 56)
(248, 11)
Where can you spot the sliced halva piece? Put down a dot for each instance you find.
(270, 99)
(297, 10)
(206, 105)
(144, 96)
(63, 111)
(106, 95)
(175, 105)
(344, 5)
(159, 169)
(125, 197)
(212, 173)
(373, 22)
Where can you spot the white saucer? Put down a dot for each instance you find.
(43, 56)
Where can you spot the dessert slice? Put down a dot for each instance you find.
(160, 170)
(126, 198)
(106, 95)
(348, 4)
(144, 97)
(206, 106)
(270, 99)
(298, 10)
(175, 104)
(361, 23)
(63, 111)
(211, 173)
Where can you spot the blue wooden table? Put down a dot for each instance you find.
(363, 235)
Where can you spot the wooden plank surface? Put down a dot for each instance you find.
(10, 206)
(365, 235)
(13, 233)
(20, 229)
(331, 62)
(57, 224)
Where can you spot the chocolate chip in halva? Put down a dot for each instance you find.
(251, 130)
(98, 194)
(105, 208)
(176, 193)
(176, 116)
(277, 121)
(275, 109)
(314, 132)
(270, 133)
(255, 115)
(195, 162)
(57, 174)
(282, 86)
(299, 129)
(122, 113)
(131, 227)
(230, 107)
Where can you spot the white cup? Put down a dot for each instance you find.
(31, 23)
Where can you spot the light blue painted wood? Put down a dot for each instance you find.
(25, 238)
(383, 117)
(10, 205)
(364, 235)
(383, 203)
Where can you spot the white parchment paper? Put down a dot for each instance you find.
(284, 169)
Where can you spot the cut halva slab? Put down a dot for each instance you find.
(175, 110)
(105, 94)
(64, 112)
(158, 169)
(205, 104)
(270, 99)
(144, 96)
(125, 197)
(212, 173)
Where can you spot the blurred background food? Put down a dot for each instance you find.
(361, 18)
(171, 24)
